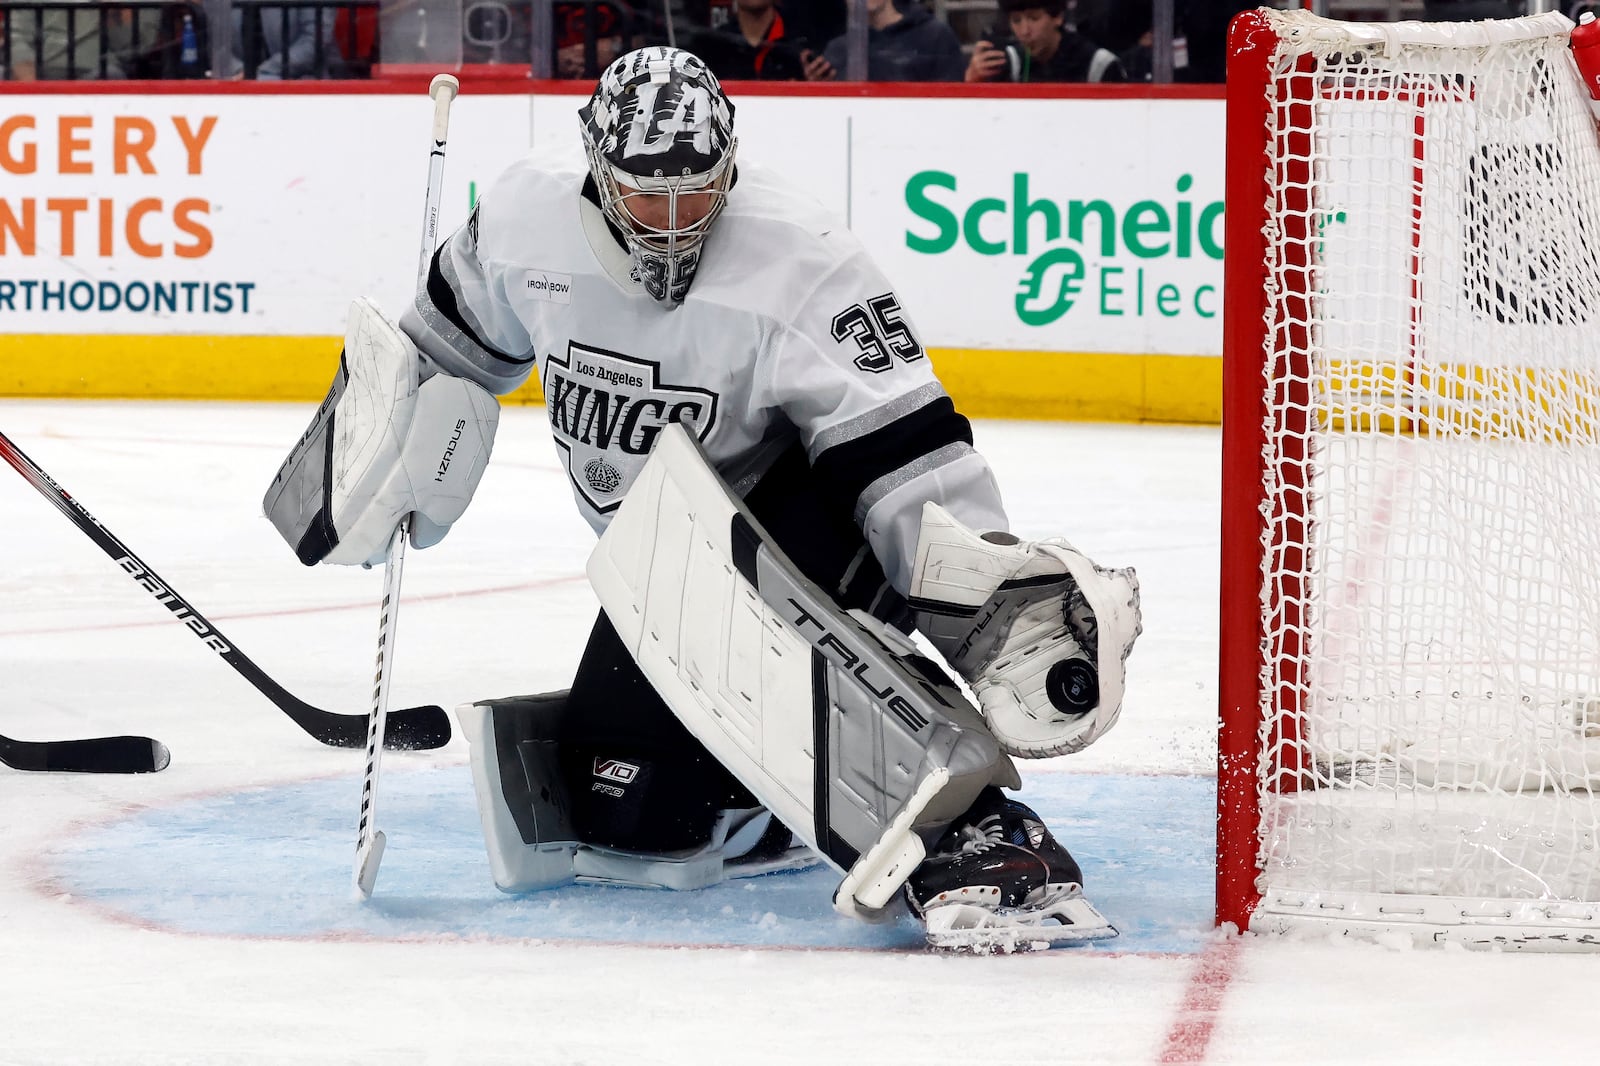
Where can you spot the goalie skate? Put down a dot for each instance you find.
(998, 881)
(1056, 915)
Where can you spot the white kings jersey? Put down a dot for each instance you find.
(789, 332)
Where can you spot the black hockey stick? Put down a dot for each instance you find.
(93, 755)
(412, 728)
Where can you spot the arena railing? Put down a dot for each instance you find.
(67, 40)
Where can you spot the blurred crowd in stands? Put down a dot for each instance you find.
(1087, 41)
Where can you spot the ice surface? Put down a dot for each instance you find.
(203, 914)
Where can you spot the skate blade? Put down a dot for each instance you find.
(973, 929)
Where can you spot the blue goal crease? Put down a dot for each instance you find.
(276, 862)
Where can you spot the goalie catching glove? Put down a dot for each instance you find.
(385, 444)
(1040, 633)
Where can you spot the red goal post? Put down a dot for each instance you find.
(1409, 680)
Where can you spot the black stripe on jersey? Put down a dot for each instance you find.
(443, 297)
(848, 468)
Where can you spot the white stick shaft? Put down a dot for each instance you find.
(443, 89)
(369, 840)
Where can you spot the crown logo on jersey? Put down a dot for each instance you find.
(602, 476)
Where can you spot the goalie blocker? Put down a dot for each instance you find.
(384, 444)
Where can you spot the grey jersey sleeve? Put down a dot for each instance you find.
(461, 319)
(880, 430)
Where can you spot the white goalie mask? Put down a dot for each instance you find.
(658, 132)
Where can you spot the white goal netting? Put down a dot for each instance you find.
(1430, 740)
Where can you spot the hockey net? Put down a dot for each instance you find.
(1410, 680)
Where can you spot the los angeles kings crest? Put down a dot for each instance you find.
(606, 411)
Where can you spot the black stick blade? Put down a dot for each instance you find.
(416, 729)
(407, 729)
(93, 755)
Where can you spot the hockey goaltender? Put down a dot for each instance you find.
(783, 491)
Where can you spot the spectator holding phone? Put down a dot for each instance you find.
(755, 46)
(1042, 47)
(904, 43)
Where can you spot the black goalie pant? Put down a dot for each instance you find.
(637, 779)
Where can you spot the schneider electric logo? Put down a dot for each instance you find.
(1138, 249)
(1048, 289)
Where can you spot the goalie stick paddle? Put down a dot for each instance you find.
(369, 838)
(92, 755)
(413, 728)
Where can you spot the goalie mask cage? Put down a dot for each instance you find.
(1410, 612)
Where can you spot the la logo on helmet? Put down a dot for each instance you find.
(692, 113)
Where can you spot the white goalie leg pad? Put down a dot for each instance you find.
(525, 829)
(855, 747)
(383, 445)
(1040, 632)
(522, 806)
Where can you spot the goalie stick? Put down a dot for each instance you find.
(412, 728)
(369, 838)
(92, 755)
